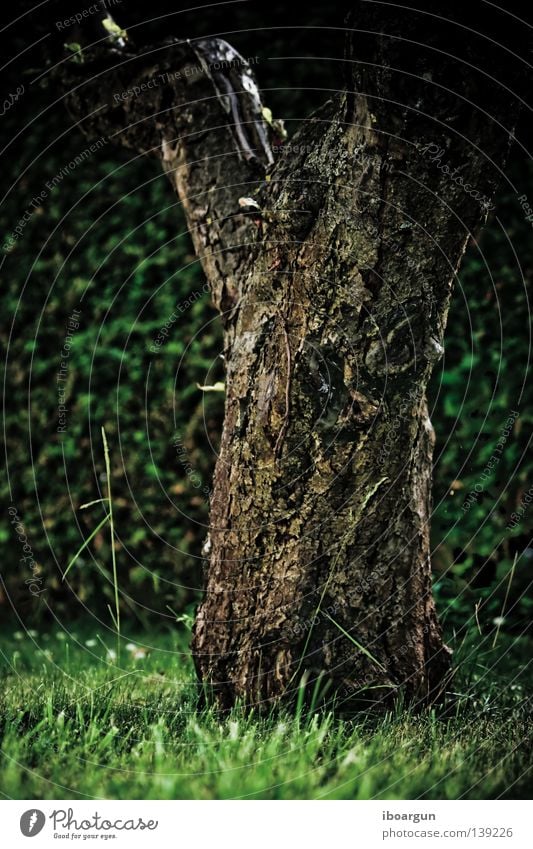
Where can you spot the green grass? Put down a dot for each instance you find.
(75, 725)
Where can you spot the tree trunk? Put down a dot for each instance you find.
(319, 560)
(319, 539)
(334, 307)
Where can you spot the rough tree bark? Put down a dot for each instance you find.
(334, 311)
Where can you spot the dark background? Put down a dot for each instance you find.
(110, 240)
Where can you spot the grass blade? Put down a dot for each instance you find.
(85, 544)
(354, 641)
(113, 617)
(112, 530)
(90, 503)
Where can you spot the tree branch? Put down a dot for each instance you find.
(197, 107)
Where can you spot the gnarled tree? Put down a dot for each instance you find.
(333, 287)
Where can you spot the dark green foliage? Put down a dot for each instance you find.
(483, 446)
(109, 242)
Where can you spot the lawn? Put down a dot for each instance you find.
(78, 722)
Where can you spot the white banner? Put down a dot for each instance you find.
(266, 825)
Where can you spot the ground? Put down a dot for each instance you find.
(80, 723)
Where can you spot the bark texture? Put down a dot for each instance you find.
(334, 310)
(320, 512)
